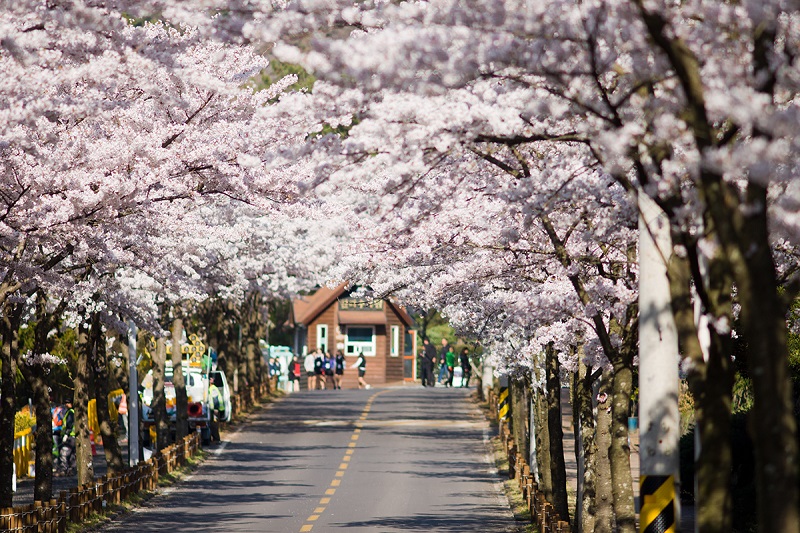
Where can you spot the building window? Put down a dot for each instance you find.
(395, 347)
(360, 339)
(408, 346)
(322, 337)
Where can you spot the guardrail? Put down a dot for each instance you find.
(542, 512)
(77, 504)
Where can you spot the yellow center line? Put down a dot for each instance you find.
(342, 467)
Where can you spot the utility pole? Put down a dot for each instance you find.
(658, 375)
(133, 397)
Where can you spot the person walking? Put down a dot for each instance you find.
(361, 364)
(466, 368)
(443, 361)
(428, 361)
(294, 374)
(339, 370)
(319, 370)
(216, 407)
(450, 363)
(308, 364)
(66, 452)
(328, 364)
(122, 412)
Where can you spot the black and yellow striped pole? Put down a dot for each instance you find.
(502, 403)
(658, 513)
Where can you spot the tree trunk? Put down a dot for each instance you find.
(108, 427)
(710, 383)
(83, 449)
(251, 320)
(181, 399)
(9, 323)
(604, 517)
(159, 398)
(772, 423)
(543, 455)
(555, 433)
(520, 415)
(585, 448)
(620, 451)
(35, 376)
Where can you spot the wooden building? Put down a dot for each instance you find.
(333, 320)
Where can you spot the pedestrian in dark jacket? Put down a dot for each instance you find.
(428, 361)
(466, 367)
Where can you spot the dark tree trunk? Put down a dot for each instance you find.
(35, 375)
(108, 427)
(251, 323)
(159, 398)
(620, 451)
(181, 399)
(9, 323)
(520, 415)
(83, 449)
(558, 469)
(542, 435)
(604, 518)
(585, 447)
(773, 426)
(710, 383)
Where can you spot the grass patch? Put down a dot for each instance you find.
(517, 504)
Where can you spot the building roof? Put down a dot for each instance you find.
(306, 308)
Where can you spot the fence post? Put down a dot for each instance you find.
(62, 512)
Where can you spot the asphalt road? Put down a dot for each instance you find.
(402, 459)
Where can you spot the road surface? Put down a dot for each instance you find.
(395, 459)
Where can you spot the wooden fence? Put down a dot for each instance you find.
(543, 513)
(77, 504)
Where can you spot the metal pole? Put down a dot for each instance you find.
(658, 375)
(133, 397)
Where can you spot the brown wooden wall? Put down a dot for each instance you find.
(394, 365)
(382, 368)
(328, 317)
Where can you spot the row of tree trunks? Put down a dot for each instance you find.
(592, 398)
